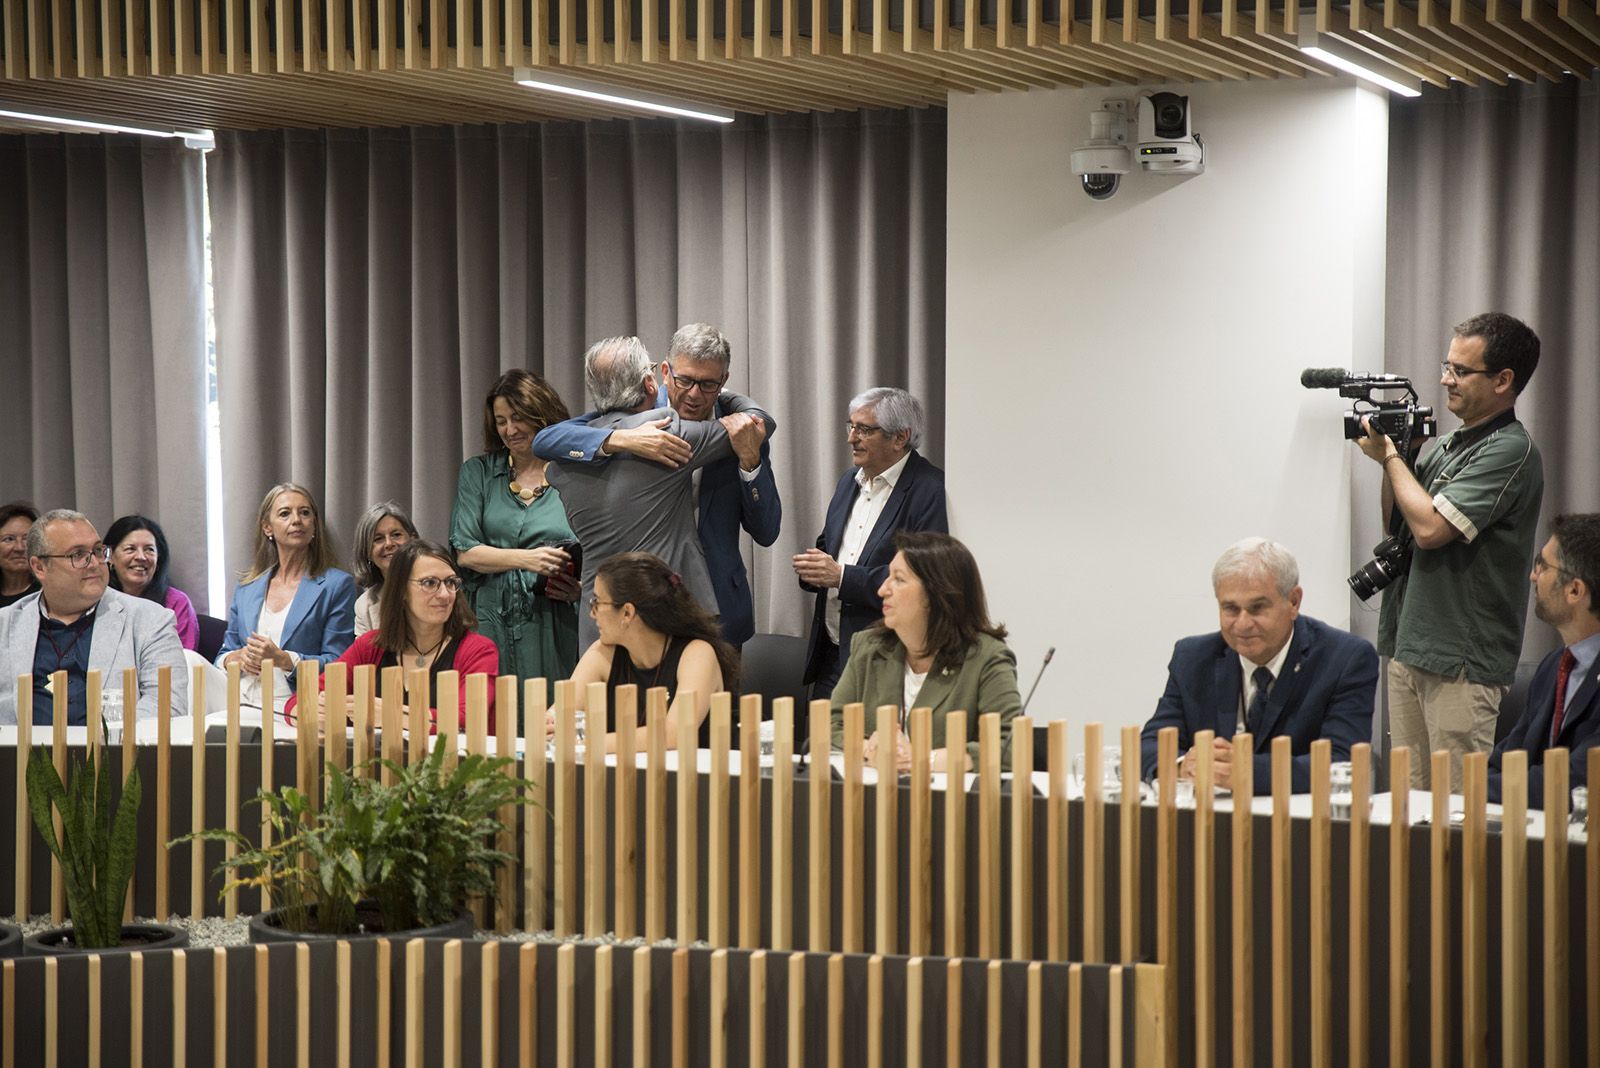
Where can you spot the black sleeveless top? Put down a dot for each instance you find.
(623, 673)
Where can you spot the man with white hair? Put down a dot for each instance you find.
(892, 487)
(1269, 671)
(632, 504)
(735, 493)
(76, 625)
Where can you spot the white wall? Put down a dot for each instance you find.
(1123, 376)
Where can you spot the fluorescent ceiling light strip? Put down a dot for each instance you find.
(608, 95)
(105, 127)
(1350, 66)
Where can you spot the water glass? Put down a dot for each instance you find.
(1110, 773)
(1341, 790)
(1579, 816)
(767, 738)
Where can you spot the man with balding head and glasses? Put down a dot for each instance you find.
(75, 624)
(1269, 671)
(734, 493)
(633, 504)
(891, 487)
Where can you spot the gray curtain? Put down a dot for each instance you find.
(371, 284)
(103, 314)
(1494, 205)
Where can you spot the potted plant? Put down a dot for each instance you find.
(96, 851)
(378, 859)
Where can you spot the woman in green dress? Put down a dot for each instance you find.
(511, 538)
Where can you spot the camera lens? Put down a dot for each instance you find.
(1101, 186)
(1170, 115)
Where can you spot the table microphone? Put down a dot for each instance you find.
(1048, 655)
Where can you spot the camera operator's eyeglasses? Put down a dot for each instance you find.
(1454, 371)
(1540, 565)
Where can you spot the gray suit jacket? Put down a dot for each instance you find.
(128, 632)
(633, 505)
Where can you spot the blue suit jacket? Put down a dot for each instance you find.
(1580, 729)
(1326, 690)
(321, 620)
(917, 503)
(728, 504)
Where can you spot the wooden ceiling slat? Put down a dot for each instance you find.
(1468, 18)
(236, 58)
(1584, 20)
(466, 13)
(16, 50)
(109, 53)
(438, 39)
(1381, 50)
(1405, 23)
(1562, 33)
(111, 61)
(1436, 19)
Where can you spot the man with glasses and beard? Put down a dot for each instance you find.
(728, 495)
(1563, 706)
(892, 487)
(1452, 622)
(75, 624)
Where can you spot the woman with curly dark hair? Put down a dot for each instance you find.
(652, 633)
(511, 537)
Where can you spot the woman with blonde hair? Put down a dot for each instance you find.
(292, 603)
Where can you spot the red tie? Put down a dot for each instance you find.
(1563, 673)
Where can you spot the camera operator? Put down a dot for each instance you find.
(1452, 622)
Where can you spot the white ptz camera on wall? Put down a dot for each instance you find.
(1102, 160)
(1167, 145)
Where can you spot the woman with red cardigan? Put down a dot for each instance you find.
(424, 624)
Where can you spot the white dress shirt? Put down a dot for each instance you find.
(864, 513)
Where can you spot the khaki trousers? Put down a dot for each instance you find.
(1429, 712)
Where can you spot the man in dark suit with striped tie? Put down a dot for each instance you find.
(1563, 707)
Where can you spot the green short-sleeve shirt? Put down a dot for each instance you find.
(1464, 604)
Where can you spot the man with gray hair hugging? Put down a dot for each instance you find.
(1268, 671)
(632, 504)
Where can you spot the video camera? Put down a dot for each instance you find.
(1403, 420)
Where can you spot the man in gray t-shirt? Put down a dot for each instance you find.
(1452, 622)
(631, 504)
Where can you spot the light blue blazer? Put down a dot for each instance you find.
(321, 621)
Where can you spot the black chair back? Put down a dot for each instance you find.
(212, 631)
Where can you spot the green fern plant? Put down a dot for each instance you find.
(97, 844)
(420, 847)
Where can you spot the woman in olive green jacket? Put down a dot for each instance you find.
(935, 648)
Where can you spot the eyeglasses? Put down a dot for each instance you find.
(1455, 372)
(1540, 565)
(862, 430)
(710, 386)
(81, 558)
(595, 604)
(434, 585)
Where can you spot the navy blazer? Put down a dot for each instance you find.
(320, 624)
(727, 504)
(1580, 729)
(1326, 690)
(917, 503)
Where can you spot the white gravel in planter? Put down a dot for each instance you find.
(210, 931)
